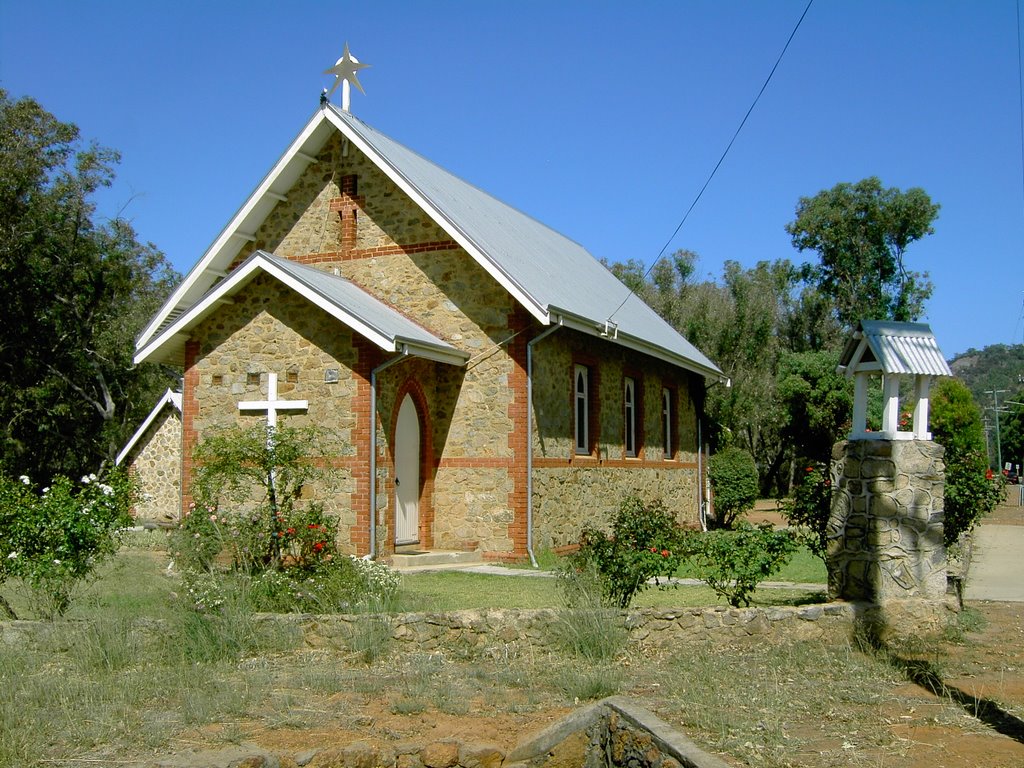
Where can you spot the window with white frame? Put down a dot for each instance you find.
(581, 389)
(666, 423)
(630, 407)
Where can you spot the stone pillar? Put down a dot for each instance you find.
(885, 530)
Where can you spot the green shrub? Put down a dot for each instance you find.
(733, 475)
(971, 492)
(809, 507)
(54, 539)
(645, 543)
(734, 562)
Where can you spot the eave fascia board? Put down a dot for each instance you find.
(246, 272)
(229, 242)
(446, 355)
(593, 328)
(167, 399)
(533, 306)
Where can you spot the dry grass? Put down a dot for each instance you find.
(109, 689)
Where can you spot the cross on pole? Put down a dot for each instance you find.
(272, 405)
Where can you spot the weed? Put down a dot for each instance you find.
(582, 681)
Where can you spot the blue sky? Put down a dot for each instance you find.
(601, 119)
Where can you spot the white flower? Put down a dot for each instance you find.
(85, 479)
(56, 562)
(12, 555)
(24, 479)
(107, 490)
(46, 490)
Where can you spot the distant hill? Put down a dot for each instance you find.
(999, 366)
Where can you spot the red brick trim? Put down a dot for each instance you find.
(355, 254)
(519, 440)
(189, 412)
(367, 357)
(476, 462)
(428, 467)
(588, 461)
(593, 405)
(639, 403)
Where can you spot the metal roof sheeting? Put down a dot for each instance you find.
(899, 348)
(555, 273)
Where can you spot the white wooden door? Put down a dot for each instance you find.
(407, 474)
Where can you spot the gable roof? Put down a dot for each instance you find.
(553, 277)
(893, 348)
(169, 398)
(343, 300)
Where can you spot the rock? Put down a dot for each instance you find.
(480, 756)
(440, 754)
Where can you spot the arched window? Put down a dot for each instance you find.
(629, 403)
(666, 424)
(582, 410)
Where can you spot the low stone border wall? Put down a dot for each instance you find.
(504, 631)
(499, 631)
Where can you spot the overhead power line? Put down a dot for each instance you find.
(721, 159)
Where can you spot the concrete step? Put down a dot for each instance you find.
(404, 561)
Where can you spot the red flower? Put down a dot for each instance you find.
(291, 531)
(654, 550)
(318, 546)
(809, 469)
(665, 553)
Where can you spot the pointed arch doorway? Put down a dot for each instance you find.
(407, 474)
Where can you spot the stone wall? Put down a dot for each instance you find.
(271, 329)
(155, 465)
(570, 490)
(885, 538)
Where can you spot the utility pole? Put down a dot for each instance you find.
(995, 409)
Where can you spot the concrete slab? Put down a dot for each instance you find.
(997, 564)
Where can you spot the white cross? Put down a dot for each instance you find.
(272, 405)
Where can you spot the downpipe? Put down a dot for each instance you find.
(529, 438)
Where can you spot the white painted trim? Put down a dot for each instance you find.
(247, 271)
(219, 250)
(168, 398)
(637, 344)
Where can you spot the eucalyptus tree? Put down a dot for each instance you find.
(76, 292)
(861, 233)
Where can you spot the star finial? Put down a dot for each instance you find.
(345, 71)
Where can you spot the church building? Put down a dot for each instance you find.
(489, 385)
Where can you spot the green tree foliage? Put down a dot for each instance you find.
(645, 543)
(956, 425)
(55, 537)
(733, 477)
(747, 322)
(76, 293)
(808, 508)
(861, 232)
(817, 403)
(260, 474)
(1011, 431)
(997, 366)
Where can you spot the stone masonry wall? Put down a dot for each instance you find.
(270, 328)
(885, 537)
(569, 490)
(344, 215)
(155, 464)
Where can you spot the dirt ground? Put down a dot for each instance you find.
(967, 711)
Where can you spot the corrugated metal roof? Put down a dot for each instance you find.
(556, 273)
(551, 275)
(342, 299)
(352, 299)
(899, 348)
